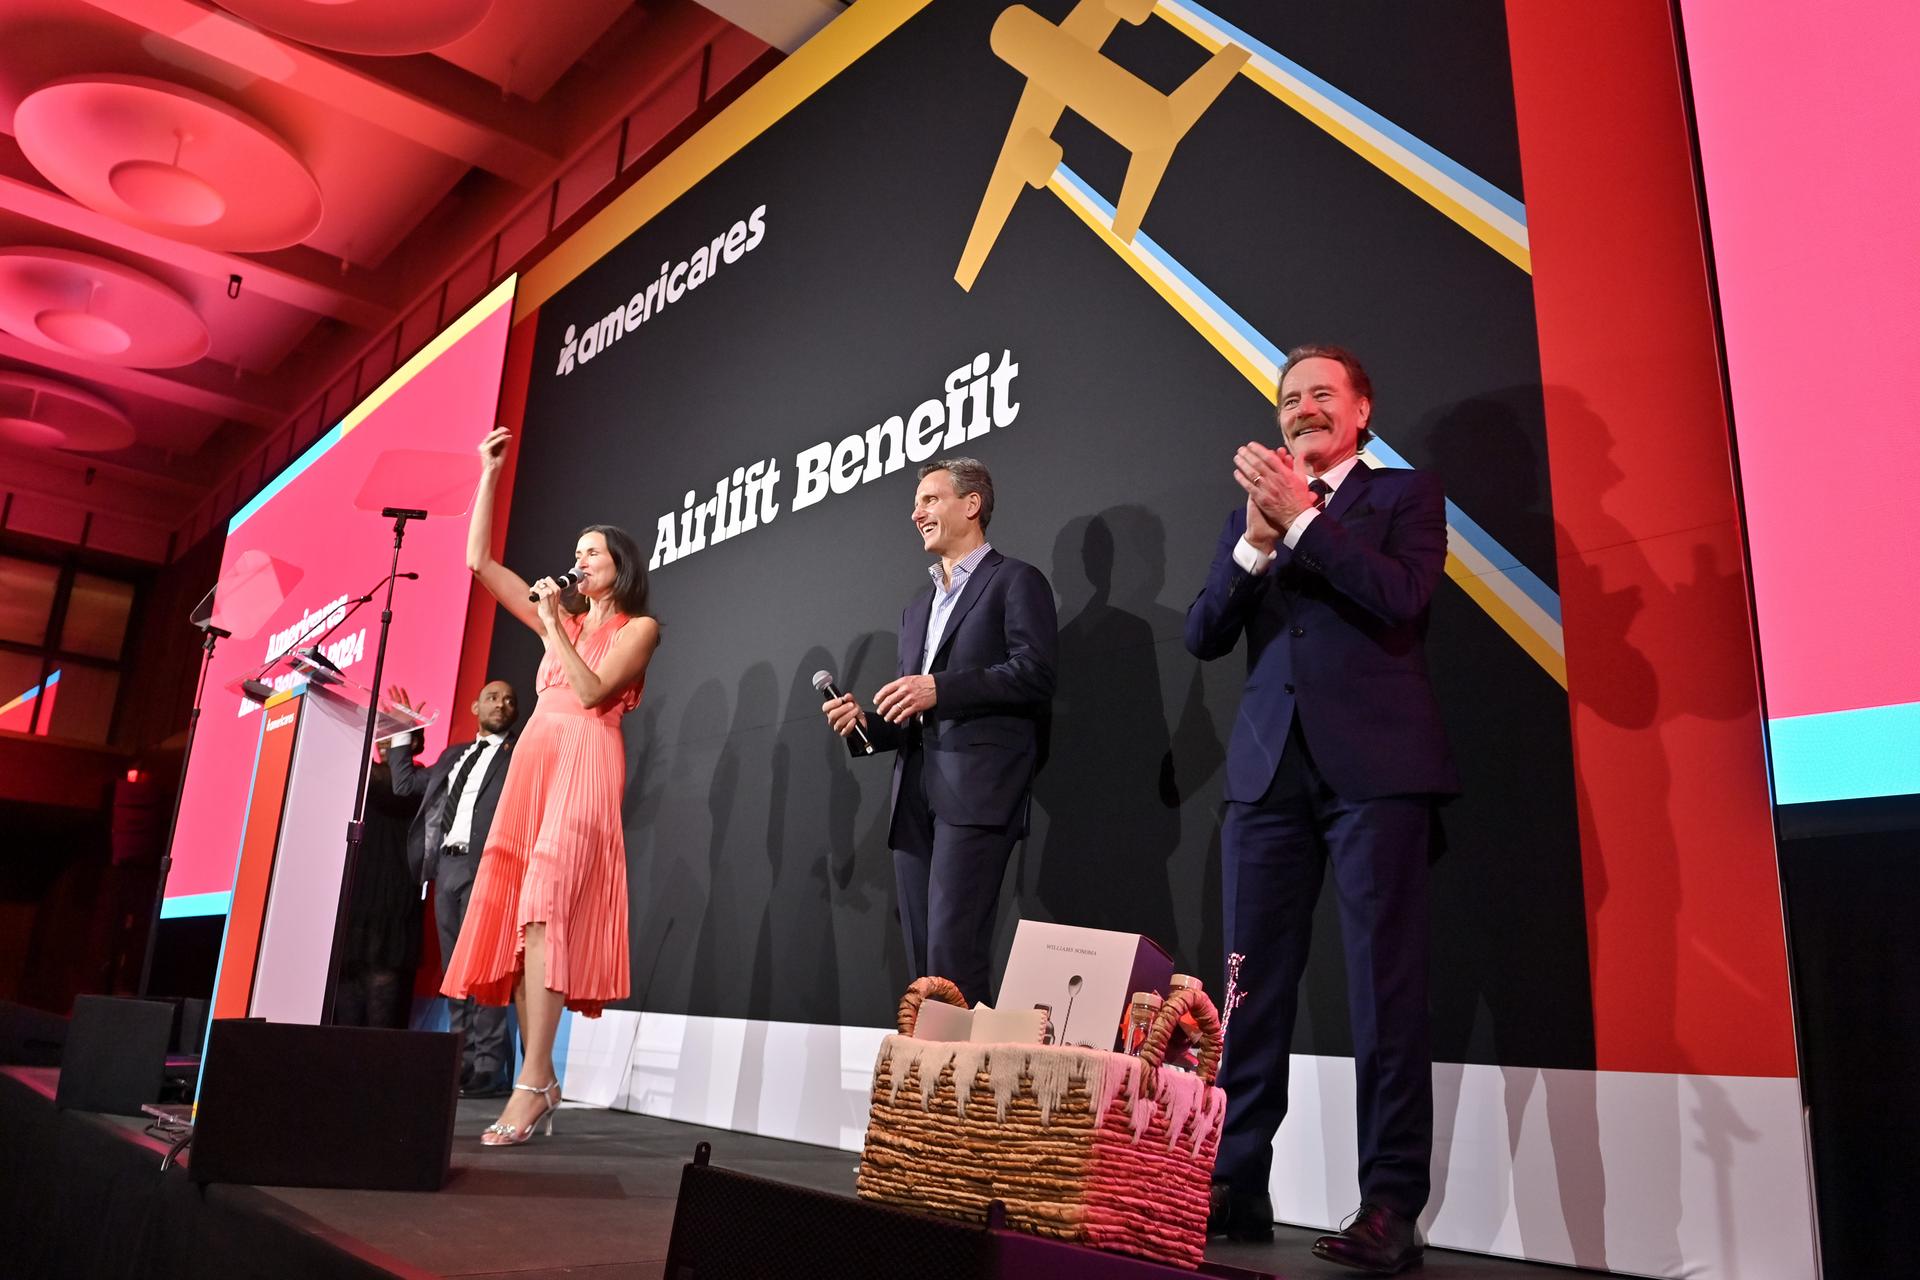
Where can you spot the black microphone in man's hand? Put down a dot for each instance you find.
(564, 580)
(823, 684)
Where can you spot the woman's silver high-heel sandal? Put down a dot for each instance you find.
(506, 1135)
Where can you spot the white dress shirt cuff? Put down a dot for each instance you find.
(1251, 558)
(1299, 526)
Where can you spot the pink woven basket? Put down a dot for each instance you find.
(1079, 1144)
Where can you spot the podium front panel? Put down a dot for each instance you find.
(253, 867)
(303, 902)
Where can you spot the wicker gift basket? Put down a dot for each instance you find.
(1101, 1148)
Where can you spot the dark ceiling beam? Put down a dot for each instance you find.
(638, 55)
(197, 387)
(420, 98)
(55, 472)
(299, 277)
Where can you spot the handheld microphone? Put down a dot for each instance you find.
(566, 580)
(823, 683)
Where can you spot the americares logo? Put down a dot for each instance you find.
(676, 280)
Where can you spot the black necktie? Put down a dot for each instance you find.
(450, 804)
(1322, 488)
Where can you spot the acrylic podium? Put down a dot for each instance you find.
(289, 882)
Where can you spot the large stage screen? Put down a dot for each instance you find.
(1813, 202)
(749, 379)
(441, 400)
(1056, 235)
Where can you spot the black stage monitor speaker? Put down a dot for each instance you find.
(116, 1050)
(190, 1032)
(297, 1106)
(30, 1037)
(734, 1226)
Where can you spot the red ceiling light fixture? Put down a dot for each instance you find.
(48, 414)
(81, 305)
(170, 160)
(165, 192)
(365, 26)
(83, 331)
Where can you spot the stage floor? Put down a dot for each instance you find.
(596, 1200)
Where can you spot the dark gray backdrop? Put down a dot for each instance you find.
(760, 882)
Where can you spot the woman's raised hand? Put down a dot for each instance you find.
(493, 450)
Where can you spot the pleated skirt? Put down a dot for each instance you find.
(555, 856)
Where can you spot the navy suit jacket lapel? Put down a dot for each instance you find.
(913, 631)
(1351, 491)
(976, 585)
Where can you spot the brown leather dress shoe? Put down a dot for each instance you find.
(1238, 1215)
(1378, 1241)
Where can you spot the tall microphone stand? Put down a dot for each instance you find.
(211, 636)
(356, 826)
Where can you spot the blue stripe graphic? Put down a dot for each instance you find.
(1452, 168)
(196, 904)
(1846, 755)
(1145, 244)
(287, 476)
(1498, 556)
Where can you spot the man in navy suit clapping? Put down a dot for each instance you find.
(1337, 760)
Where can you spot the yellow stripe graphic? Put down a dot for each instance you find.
(1492, 228)
(426, 355)
(838, 46)
(1537, 634)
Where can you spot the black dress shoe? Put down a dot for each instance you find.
(1244, 1216)
(486, 1088)
(1378, 1241)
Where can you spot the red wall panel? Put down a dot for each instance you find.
(1684, 924)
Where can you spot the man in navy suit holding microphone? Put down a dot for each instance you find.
(1337, 760)
(967, 718)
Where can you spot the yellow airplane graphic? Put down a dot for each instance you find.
(1064, 68)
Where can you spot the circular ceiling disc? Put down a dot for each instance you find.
(28, 432)
(84, 332)
(365, 26)
(169, 160)
(167, 193)
(40, 411)
(81, 305)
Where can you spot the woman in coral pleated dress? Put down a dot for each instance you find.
(547, 923)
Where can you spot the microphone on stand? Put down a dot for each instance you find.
(565, 580)
(259, 690)
(823, 683)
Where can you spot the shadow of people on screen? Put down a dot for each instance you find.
(1511, 982)
(872, 965)
(731, 969)
(1110, 827)
(678, 880)
(799, 859)
(650, 875)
